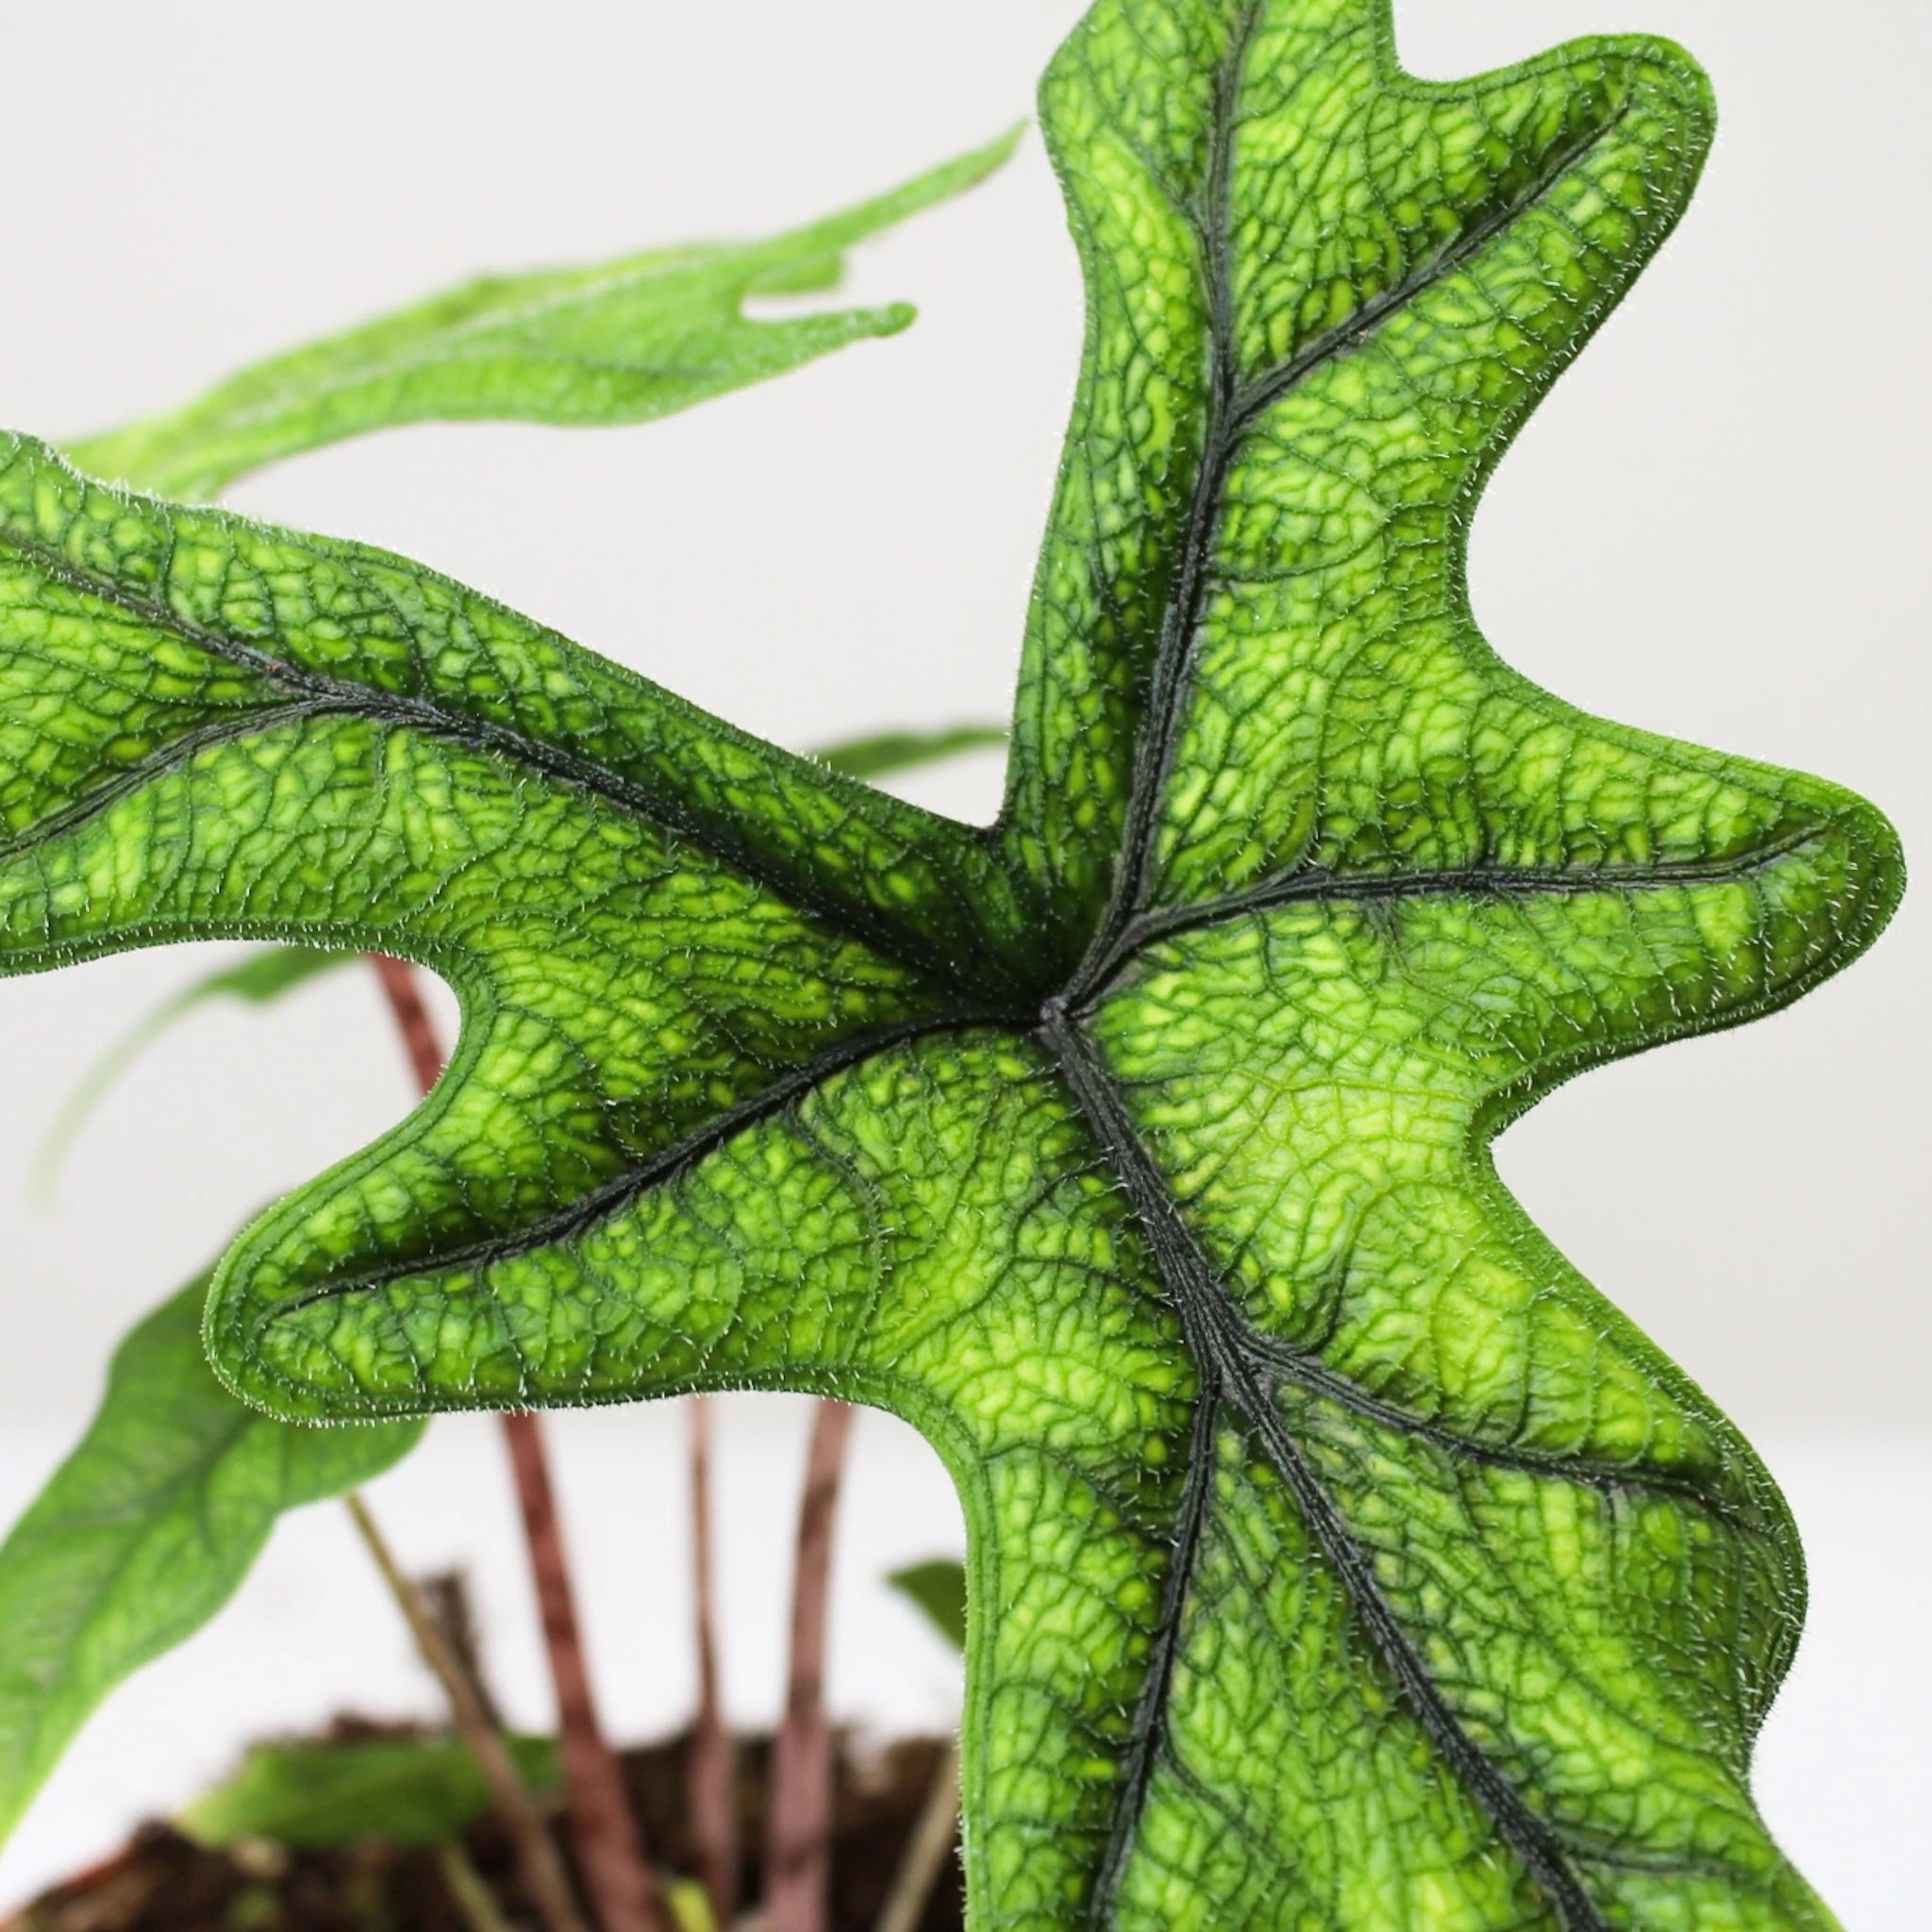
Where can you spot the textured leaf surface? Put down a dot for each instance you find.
(144, 1532)
(1339, 1558)
(316, 1797)
(620, 342)
(265, 976)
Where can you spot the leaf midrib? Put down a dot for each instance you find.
(1348, 889)
(1231, 410)
(323, 694)
(1212, 1330)
(620, 1191)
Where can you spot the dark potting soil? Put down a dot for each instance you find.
(162, 1882)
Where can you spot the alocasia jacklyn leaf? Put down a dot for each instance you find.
(146, 1529)
(1337, 1555)
(667, 331)
(621, 342)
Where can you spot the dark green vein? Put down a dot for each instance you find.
(979, 961)
(1315, 1377)
(1216, 1335)
(611, 1196)
(1149, 1727)
(1470, 882)
(1231, 412)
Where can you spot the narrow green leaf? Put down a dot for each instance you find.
(621, 342)
(888, 752)
(145, 1531)
(258, 980)
(314, 1797)
(938, 1588)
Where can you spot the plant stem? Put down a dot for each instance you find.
(798, 1846)
(712, 1775)
(411, 1013)
(471, 1892)
(604, 1828)
(448, 1597)
(543, 1875)
(926, 1850)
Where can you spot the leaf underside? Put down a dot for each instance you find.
(147, 1530)
(1339, 1557)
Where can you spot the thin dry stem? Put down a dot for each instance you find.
(926, 1850)
(471, 1890)
(537, 1860)
(711, 1775)
(798, 1847)
(604, 1828)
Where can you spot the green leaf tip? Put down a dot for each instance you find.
(828, 239)
(886, 753)
(623, 343)
(1340, 1556)
(329, 1795)
(938, 1591)
(146, 1529)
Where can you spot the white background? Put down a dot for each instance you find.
(1715, 529)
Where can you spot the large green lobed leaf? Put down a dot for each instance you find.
(147, 1530)
(72, 1628)
(1337, 1558)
